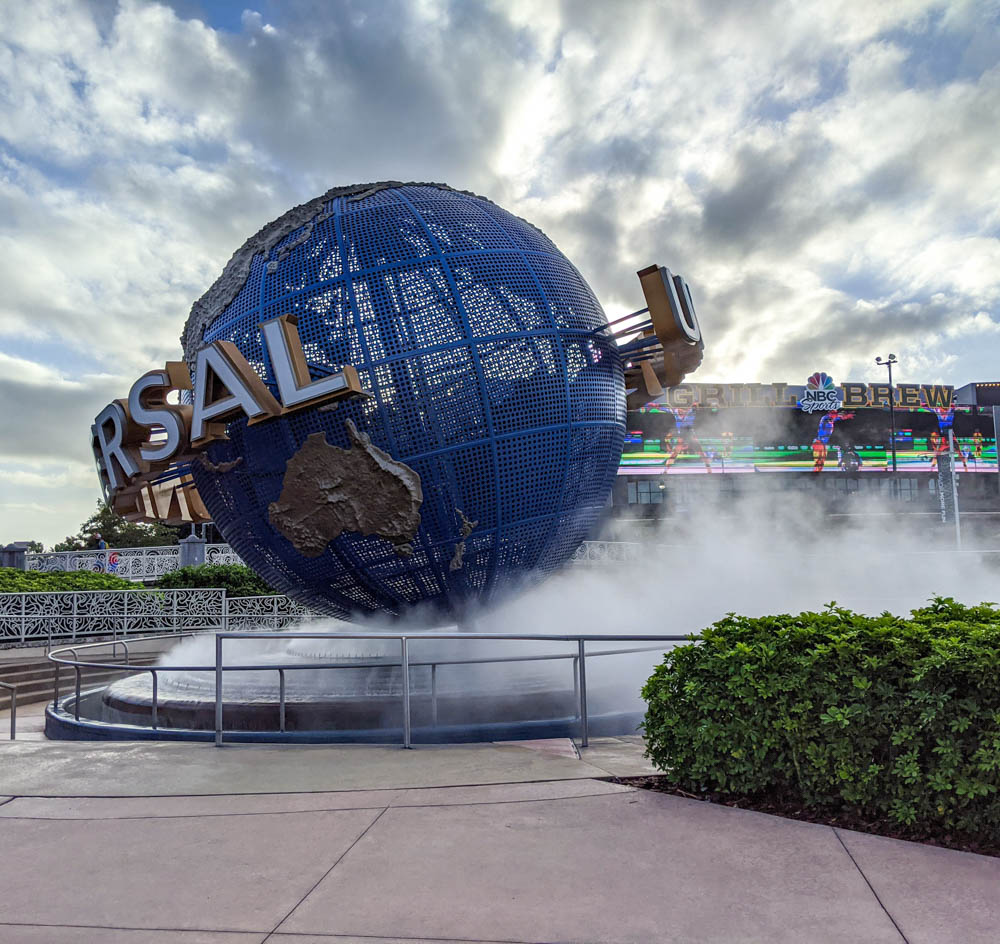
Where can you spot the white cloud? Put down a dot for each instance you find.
(823, 173)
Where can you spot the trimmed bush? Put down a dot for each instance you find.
(883, 716)
(36, 581)
(237, 580)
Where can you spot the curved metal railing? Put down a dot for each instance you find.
(60, 658)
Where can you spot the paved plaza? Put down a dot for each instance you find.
(160, 843)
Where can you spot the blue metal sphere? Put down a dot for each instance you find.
(490, 375)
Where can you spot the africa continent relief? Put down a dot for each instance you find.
(328, 490)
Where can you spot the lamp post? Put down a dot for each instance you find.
(888, 362)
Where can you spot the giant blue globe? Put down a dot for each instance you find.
(489, 372)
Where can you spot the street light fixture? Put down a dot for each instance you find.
(888, 362)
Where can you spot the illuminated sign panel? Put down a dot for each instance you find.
(853, 395)
(744, 428)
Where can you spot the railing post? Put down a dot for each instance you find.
(405, 667)
(576, 684)
(582, 672)
(173, 612)
(74, 616)
(55, 689)
(434, 695)
(24, 619)
(225, 612)
(125, 613)
(281, 700)
(155, 697)
(218, 690)
(76, 703)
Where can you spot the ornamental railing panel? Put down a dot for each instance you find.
(221, 554)
(27, 618)
(133, 563)
(140, 564)
(144, 564)
(603, 552)
(265, 613)
(32, 617)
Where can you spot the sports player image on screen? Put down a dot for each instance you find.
(820, 446)
(727, 444)
(685, 439)
(939, 440)
(849, 460)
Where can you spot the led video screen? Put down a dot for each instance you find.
(692, 440)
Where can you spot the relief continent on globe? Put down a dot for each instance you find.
(328, 490)
(487, 438)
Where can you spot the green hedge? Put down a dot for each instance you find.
(237, 580)
(894, 718)
(35, 581)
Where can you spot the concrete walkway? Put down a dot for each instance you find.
(163, 843)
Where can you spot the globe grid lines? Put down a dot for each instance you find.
(538, 292)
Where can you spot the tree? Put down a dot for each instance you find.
(118, 532)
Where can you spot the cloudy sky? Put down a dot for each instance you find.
(825, 174)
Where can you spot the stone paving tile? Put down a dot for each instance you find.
(618, 756)
(936, 896)
(239, 873)
(33, 934)
(623, 868)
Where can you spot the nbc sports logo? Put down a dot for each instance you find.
(821, 394)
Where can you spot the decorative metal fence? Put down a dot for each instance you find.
(34, 617)
(221, 554)
(604, 552)
(139, 564)
(251, 614)
(143, 564)
(27, 618)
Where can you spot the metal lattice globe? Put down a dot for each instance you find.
(490, 374)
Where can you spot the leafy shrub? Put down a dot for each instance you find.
(884, 716)
(35, 581)
(237, 580)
